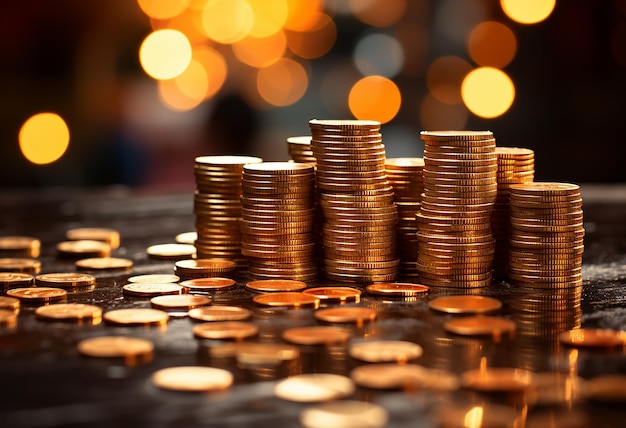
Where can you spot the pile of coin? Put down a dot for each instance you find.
(455, 243)
(406, 177)
(277, 226)
(360, 217)
(515, 165)
(299, 149)
(217, 205)
(546, 244)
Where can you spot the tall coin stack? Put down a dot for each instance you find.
(299, 149)
(359, 227)
(515, 165)
(278, 219)
(546, 244)
(406, 177)
(455, 243)
(217, 206)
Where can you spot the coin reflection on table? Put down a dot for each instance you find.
(380, 350)
(288, 298)
(593, 338)
(8, 318)
(465, 304)
(9, 303)
(137, 317)
(19, 246)
(192, 379)
(403, 376)
(272, 285)
(313, 387)
(344, 414)
(335, 294)
(397, 289)
(132, 350)
(497, 379)
(219, 313)
(316, 335)
(353, 314)
(104, 263)
(179, 301)
(225, 330)
(481, 326)
(201, 285)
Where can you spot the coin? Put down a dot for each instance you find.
(9, 303)
(481, 326)
(316, 335)
(344, 413)
(65, 279)
(83, 248)
(402, 289)
(340, 294)
(200, 268)
(375, 351)
(149, 289)
(497, 379)
(132, 349)
(181, 301)
(104, 263)
(465, 304)
(219, 313)
(225, 330)
(271, 285)
(264, 354)
(346, 314)
(593, 338)
(110, 236)
(186, 238)
(314, 387)
(405, 376)
(22, 265)
(155, 278)
(206, 284)
(287, 298)
(171, 251)
(70, 312)
(8, 318)
(192, 379)
(13, 279)
(37, 294)
(136, 317)
(20, 246)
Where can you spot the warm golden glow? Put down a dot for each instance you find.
(375, 98)
(214, 66)
(282, 83)
(474, 418)
(227, 21)
(162, 9)
(164, 54)
(302, 14)
(316, 41)
(261, 52)
(269, 17)
(188, 22)
(492, 44)
(445, 76)
(44, 138)
(488, 92)
(378, 13)
(174, 98)
(528, 11)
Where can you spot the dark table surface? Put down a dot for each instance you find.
(45, 382)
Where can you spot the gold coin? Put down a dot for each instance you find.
(131, 349)
(104, 263)
(344, 413)
(22, 265)
(9, 303)
(110, 236)
(12, 279)
(84, 248)
(497, 379)
(465, 304)
(37, 294)
(204, 266)
(206, 284)
(287, 298)
(348, 314)
(405, 376)
(314, 387)
(65, 279)
(181, 301)
(171, 251)
(606, 388)
(20, 246)
(343, 125)
(186, 238)
(251, 353)
(136, 317)
(546, 188)
(192, 379)
(8, 318)
(225, 330)
(403, 289)
(341, 294)
(376, 351)
(316, 335)
(70, 312)
(154, 278)
(219, 313)
(593, 338)
(271, 285)
(481, 326)
(148, 289)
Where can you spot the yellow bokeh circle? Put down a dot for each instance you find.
(44, 138)
(375, 98)
(165, 54)
(488, 92)
(528, 11)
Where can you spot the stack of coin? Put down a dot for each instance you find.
(515, 165)
(406, 177)
(217, 206)
(277, 226)
(300, 149)
(546, 243)
(455, 243)
(360, 217)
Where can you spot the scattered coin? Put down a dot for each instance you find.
(353, 314)
(403, 376)
(201, 268)
(219, 313)
(110, 236)
(225, 330)
(481, 326)
(593, 338)
(497, 379)
(8, 318)
(316, 335)
(186, 238)
(181, 301)
(65, 280)
(104, 263)
(271, 285)
(264, 354)
(397, 289)
(16, 279)
(70, 312)
(314, 387)
(287, 298)
(136, 317)
(339, 294)
(37, 294)
(9, 303)
(344, 413)
(83, 248)
(469, 304)
(192, 379)
(379, 350)
(23, 265)
(196, 285)
(154, 278)
(132, 349)
(171, 251)
(19, 246)
(148, 289)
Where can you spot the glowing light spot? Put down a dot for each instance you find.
(282, 83)
(44, 138)
(527, 11)
(188, 22)
(492, 44)
(488, 92)
(444, 78)
(174, 98)
(269, 17)
(162, 9)
(302, 14)
(474, 418)
(164, 54)
(261, 52)
(193, 82)
(316, 41)
(378, 13)
(214, 66)
(227, 21)
(375, 98)
(379, 54)
(435, 114)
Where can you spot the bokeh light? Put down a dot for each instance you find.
(488, 92)
(316, 41)
(528, 11)
(162, 9)
(44, 138)
(379, 54)
(282, 83)
(164, 54)
(261, 52)
(492, 44)
(187, 90)
(378, 13)
(375, 98)
(215, 67)
(444, 77)
(227, 21)
(302, 15)
(435, 114)
(269, 17)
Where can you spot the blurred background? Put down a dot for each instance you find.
(128, 92)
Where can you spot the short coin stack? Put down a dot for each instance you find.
(299, 149)
(455, 243)
(546, 244)
(359, 228)
(406, 177)
(217, 205)
(277, 223)
(515, 165)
